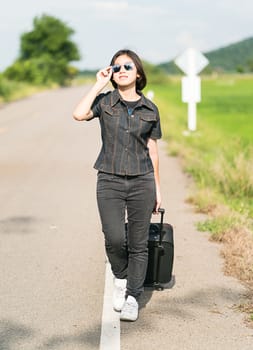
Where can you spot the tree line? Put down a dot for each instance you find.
(237, 57)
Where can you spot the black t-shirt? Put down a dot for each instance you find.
(131, 105)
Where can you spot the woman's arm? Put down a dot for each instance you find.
(153, 152)
(83, 109)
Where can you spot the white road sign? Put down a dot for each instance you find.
(191, 61)
(191, 89)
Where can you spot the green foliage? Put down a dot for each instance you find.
(250, 64)
(45, 54)
(41, 70)
(230, 57)
(170, 68)
(220, 154)
(217, 226)
(11, 90)
(50, 37)
(5, 88)
(155, 75)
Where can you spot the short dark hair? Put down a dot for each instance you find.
(141, 82)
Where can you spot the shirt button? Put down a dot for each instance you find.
(127, 130)
(126, 149)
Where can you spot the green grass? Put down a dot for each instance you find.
(219, 155)
(11, 90)
(227, 106)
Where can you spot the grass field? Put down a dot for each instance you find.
(220, 153)
(227, 106)
(219, 156)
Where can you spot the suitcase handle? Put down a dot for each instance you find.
(160, 249)
(162, 212)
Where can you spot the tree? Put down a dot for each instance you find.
(250, 64)
(45, 53)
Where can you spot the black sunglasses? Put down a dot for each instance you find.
(128, 66)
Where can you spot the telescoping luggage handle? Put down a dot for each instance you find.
(160, 248)
(162, 212)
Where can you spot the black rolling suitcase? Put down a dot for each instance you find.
(161, 254)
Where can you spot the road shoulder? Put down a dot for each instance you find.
(199, 311)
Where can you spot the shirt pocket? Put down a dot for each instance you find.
(147, 121)
(110, 121)
(111, 112)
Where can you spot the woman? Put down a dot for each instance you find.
(128, 176)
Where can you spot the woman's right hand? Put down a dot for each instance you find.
(83, 109)
(104, 76)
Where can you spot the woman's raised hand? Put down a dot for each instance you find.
(104, 76)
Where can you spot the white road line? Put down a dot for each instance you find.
(110, 330)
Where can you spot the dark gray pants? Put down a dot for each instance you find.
(116, 197)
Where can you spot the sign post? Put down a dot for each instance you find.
(191, 62)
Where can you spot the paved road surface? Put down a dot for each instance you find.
(52, 261)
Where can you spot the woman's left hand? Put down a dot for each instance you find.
(158, 202)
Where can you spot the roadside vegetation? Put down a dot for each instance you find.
(44, 60)
(219, 157)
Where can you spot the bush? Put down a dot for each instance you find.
(41, 70)
(5, 88)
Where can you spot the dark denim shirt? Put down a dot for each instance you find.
(124, 135)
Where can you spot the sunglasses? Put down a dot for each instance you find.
(117, 67)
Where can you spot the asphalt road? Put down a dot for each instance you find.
(52, 261)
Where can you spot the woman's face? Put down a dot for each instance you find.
(125, 71)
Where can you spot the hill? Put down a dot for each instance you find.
(237, 57)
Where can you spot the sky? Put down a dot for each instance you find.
(157, 30)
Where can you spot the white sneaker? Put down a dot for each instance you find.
(119, 293)
(130, 310)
